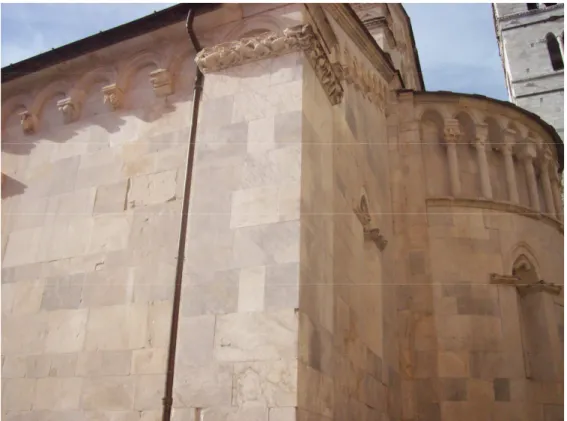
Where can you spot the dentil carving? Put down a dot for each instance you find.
(28, 122)
(161, 82)
(69, 109)
(113, 96)
(362, 80)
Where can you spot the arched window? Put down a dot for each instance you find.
(554, 52)
(532, 6)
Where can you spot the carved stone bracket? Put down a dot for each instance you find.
(370, 234)
(161, 82)
(452, 131)
(269, 45)
(113, 96)
(523, 289)
(28, 122)
(69, 109)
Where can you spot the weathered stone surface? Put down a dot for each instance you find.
(58, 393)
(104, 363)
(108, 393)
(117, 328)
(256, 336)
(204, 386)
(149, 361)
(66, 331)
(146, 190)
(18, 394)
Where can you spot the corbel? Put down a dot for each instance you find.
(161, 82)
(113, 96)
(28, 122)
(69, 109)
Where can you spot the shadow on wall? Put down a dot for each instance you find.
(11, 187)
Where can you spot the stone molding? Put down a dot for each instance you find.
(524, 289)
(270, 45)
(508, 207)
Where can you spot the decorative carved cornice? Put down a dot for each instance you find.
(69, 109)
(28, 122)
(113, 96)
(364, 81)
(161, 82)
(247, 50)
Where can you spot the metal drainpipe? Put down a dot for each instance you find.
(198, 89)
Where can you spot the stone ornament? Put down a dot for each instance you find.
(524, 289)
(69, 109)
(28, 122)
(452, 131)
(363, 80)
(161, 82)
(247, 50)
(113, 96)
(370, 234)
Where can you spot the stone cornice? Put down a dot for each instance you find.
(495, 205)
(270, 45)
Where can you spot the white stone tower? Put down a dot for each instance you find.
(530, 38)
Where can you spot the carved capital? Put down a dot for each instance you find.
(161, 82)
(113, 96)
(452, 131)
(527, 150)
(28, 122)
(481, 136)
(69, 109)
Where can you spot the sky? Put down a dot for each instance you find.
(456, 42)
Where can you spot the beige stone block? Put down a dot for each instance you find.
(13, 367)
(108, 393)
(37, 366)
(254, 206)
(104, 363)
(111, 198)
(76, 204)
(184, 414)
(64, 240)
(24, 335)
(110, 415)
(22, 297)
(195, 341)
(149, 392)
(204, 386)
(63, 292)
(266, 244)
(481, 391)
(149, 361)
(289, 201)
(57, 393)
(108, 287)
(29, 213)
(256, 336)
(251, 287)
(235, 414)
(277, 167)
(267, 383)
(453, 364)
(62, 365)
(22, 247)
(151, 189)
(283, 414)
(18, 394)
(99, 175)
(151, 415)
(159, 323)
(282, 286)
(153, 282)
(66, 331)
(110, 232)
(117, 328)
(261, 135)
(210, 293)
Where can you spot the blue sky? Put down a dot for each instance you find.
(456, 42)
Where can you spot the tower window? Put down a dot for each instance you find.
(554, 52)
(532, 6)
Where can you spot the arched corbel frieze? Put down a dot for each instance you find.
(67, 105)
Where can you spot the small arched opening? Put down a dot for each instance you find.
(554, 51)
(532, 6)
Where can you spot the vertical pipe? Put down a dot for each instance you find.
(198, 89)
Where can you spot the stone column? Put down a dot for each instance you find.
(452, 135)
(507, 150)
(545, 166)
(480, 145)
(528, 153)
(556, 190)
